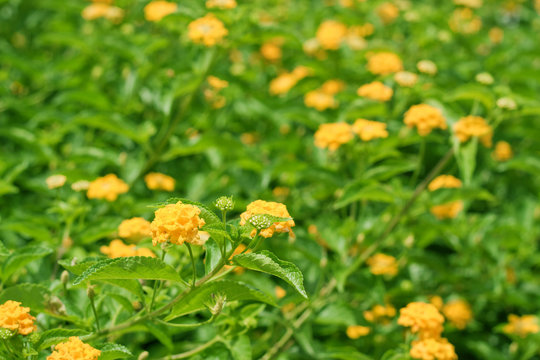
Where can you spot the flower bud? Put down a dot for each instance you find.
(90, 292)
(64, 278)
(260, 221)
(225, 203)
(6, 333)
(143, 355)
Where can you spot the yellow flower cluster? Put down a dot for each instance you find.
(107, 187)
(333, 135)
(422, 318)
(320, 100)
(522, 325)
(323, 98)
(464, 21)
(207, 30)
(212, 94)
(159, 181)
(380, 313)
(286, 81)
(368, 130)
(356, 331)
(387, 12)
(469, 3)
(103, 9)
(118, 249)
(177, 223)
(447, 211)
(382, 264)
(425, 118)
(15, 317)
(157, 10)
(444, 182)
(433, 349)
(458, 312)
(427, 321)
(134, 229)
(330, 34)
(375, 91)
(476, 126)
(269, 208)
(74, 349)
(271, 50)
(503, 151)
(384, 63)
(221, 4)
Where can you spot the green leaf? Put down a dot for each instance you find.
(136, 267)
(205, 296)
(466, 159)
(371, 192)
(33, 296)
(240, 348)
(79, 267)
(112, 351)
(220, 236)
(267, 262)
(3, 250)
(20, 258)
(55, 336)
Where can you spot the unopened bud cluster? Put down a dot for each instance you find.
(225, 203)
(260, 221)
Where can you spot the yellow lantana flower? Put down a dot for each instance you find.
(107, 187)
(269, 208)
(118, 249)
(444, 182)
(384, 63)
(382, 264)
(176, 223)
(159, 181)
(208, 30)
(15, 317)
(375, 91)
(74, 349)
(333, 135)
(157, 10)
(425, 118)
(368, 130)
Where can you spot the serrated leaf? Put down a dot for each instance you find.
(79, 267)
(55, 336)
(371, 192)
(33, 296)
(204, 296)
(466, 159)
(136, 267)
(240, 348)
(20, 258)
(3, 250)
(112, 351)
(220, 236)
(267, 262)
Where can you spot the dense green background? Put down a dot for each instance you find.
(85, 99)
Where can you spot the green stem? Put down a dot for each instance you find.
(161, 310)
(94, 310)
(395, 220)
(197, 350)
(184, 106)
(192, 265)
(186, 325)
(163, 253)
(421, 156)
